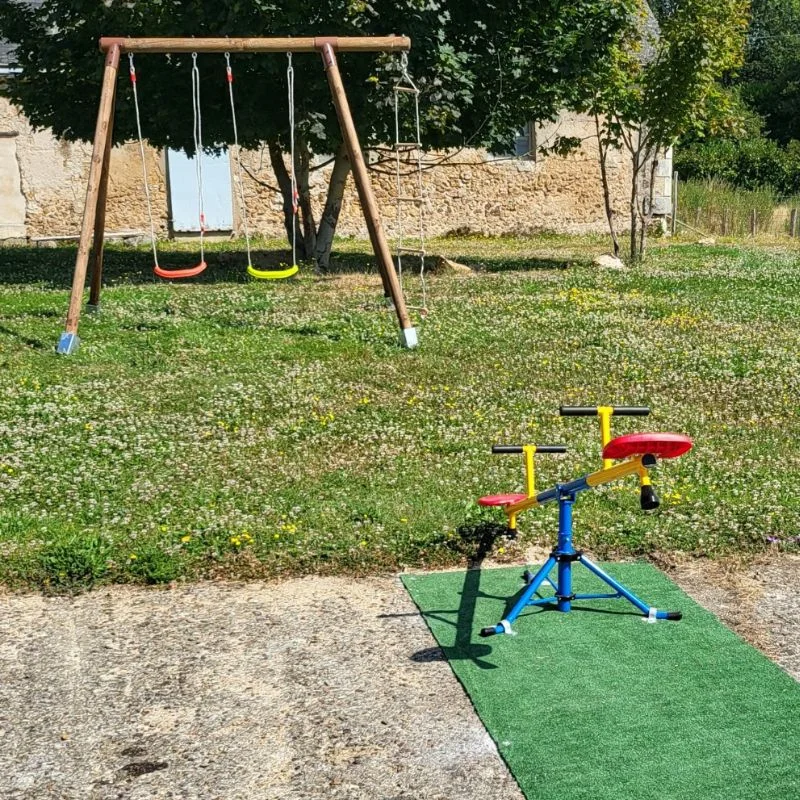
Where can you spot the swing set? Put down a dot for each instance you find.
(93, 228)
(197, 131)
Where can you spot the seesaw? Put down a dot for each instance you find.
(638, 452)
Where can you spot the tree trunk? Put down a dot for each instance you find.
(603, 149)
(634, 209)
(290, 220)
(333, 206)
(647, 213)
(302, 167)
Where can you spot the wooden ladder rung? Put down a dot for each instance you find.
(406, 89)
(416, 200)
(414, 251)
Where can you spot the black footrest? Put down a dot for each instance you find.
(674, 615)
(488, 631)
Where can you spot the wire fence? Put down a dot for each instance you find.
(717, 208)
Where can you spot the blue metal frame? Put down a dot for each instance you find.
(563, 556)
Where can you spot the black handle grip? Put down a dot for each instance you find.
(540, 448)
(631, 411)
(591, 411)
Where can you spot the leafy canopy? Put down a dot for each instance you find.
(770, 79)
(665, 83)
(485, 68)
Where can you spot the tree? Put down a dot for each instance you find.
(770, 79)
(660, 85)
(484, 68)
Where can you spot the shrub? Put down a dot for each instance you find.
(747, 163)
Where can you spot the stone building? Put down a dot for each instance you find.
(43, 184)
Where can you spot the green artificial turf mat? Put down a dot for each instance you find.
(605, 705)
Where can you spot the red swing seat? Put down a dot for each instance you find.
(662, 445)
(173, 274)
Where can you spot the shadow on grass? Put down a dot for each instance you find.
(36, 344)
(52, 267)
(520, 264)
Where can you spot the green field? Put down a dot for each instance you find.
(228, 427)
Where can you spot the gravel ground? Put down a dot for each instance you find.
(759, 600)
(314, 688)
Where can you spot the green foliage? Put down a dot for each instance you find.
(770, 79)
(151, 563)
(719, 208)
(484, 68)
(661, 85)
(749, 163)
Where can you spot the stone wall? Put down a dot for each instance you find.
(473, 192)
(53, 176)
(465, 192)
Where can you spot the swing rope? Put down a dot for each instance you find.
(147, 194)
(295, 195)
(239, 170)
(275, 274)
(406, 85)
(198, 153)
(190, 272)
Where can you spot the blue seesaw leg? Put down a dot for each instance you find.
(652, 613)
(504, 626)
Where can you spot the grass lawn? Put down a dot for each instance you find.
(229, 427)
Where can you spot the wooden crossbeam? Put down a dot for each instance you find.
(309, 44)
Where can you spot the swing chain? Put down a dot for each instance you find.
(198, 146)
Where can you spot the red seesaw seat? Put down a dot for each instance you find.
(500, 499)
(662, 445)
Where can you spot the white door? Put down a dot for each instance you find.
(183, 194)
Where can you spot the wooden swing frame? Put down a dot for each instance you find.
(94, 215)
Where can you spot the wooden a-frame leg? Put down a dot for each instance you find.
(98, 239)
(68, 342)
(367, 196)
